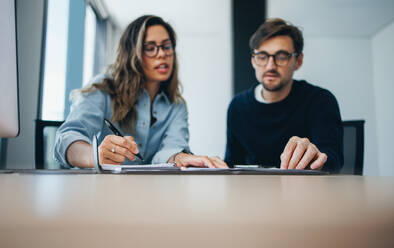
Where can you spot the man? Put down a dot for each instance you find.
(283, 122)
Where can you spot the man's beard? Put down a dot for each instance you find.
(274, 88)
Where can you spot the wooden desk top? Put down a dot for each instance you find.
(195, 211)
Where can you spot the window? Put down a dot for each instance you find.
(74, 50)
(89, 46)
(54, 72)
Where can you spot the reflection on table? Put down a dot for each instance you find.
(195, 211)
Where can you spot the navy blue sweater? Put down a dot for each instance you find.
(258, 132)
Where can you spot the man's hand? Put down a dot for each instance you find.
(299, 153)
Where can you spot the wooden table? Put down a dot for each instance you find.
(195, 211)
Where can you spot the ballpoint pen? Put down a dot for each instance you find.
(118, 133)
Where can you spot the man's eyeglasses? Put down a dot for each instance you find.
(151, 50)
(280, 58)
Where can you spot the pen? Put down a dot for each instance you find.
(118, 133)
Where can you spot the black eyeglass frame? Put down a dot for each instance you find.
(157, 47)
(289, 55)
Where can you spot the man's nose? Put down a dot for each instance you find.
(271, 63)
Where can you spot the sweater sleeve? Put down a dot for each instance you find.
(326, 130)
(235, 153)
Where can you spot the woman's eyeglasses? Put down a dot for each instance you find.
(151, 50)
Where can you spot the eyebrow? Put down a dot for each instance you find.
(154, 42)
(260, 52)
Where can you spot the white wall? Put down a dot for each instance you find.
(383, 77)
(343, 65)
(20, 150)
(205, 71)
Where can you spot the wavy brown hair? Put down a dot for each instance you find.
(128, 77)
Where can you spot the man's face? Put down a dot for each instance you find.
(275, 77)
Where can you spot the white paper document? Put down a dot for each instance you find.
(119, 168)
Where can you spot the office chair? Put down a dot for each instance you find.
(353, 147)
(3, 152)
(45, 139)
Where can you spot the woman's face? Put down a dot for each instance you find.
(158, 54)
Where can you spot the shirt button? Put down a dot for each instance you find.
(140, 145)
(154, 112)
(143, 123)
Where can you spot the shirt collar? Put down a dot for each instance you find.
(161, 94)
(257, 94)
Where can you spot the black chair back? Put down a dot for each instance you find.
(45, 136)
(353, 147)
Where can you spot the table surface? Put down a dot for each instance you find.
(195, 211)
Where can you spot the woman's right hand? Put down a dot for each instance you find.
(115, 149)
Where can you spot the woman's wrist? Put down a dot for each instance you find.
(176, 155)
(179, 154)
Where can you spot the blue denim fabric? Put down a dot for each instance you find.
(156, 143)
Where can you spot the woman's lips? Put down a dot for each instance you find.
(162, 68)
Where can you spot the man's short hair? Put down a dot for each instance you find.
(275, 27)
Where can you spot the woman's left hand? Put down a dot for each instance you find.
(184, 160)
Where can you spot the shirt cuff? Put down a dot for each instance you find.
(163, 156)
(65, 141)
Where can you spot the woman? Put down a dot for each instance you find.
(140, 95)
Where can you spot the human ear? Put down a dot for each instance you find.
(252, 61)
(300, 60)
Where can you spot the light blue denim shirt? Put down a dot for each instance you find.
(156, 143)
